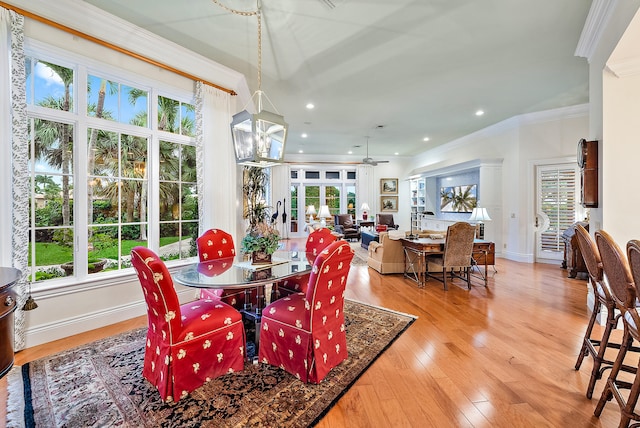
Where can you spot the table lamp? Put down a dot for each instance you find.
(364, 208)
(479, 216)
(311, 210)
(324, 214)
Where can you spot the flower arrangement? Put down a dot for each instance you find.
(262, 237)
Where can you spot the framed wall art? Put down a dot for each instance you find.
(388, 203)
(458, 199)
(389, 186)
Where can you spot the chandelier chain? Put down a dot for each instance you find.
(258, 15)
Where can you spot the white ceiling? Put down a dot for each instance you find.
(415, 67)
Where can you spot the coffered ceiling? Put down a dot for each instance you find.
(396, 71)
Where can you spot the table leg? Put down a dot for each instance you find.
(414, 266)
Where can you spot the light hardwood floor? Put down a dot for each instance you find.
(500, 356)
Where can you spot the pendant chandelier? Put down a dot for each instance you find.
(258, 138)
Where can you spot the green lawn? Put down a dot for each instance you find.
(54, 254)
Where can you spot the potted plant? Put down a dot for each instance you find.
(262, 238)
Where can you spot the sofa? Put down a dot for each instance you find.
(387, 255)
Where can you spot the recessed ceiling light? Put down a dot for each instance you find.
(300, 151)
(350, 152)
(479, 112)
(396, 153)
(310, 106)
(304, 135)
(425, 139)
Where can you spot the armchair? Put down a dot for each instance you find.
(386, 255)
(344, 224)
(386, 219)
(189, 344)
(305, 334)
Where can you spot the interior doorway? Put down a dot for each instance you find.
(557, 208)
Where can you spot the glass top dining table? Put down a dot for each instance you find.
(237, 273)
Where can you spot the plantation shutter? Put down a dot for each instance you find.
(558, 202)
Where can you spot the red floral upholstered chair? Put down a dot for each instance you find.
(189, 344)
(305, 333)
(215, 244)
(316, 242)
(218, 244)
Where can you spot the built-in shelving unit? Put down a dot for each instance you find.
(418, 193)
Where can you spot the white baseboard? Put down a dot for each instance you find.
(71, 326)
(517, 257)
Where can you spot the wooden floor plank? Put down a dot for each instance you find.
(499, 356)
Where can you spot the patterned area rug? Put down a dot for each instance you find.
(101, 384)
(360, 256)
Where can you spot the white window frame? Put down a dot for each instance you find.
(83, 66)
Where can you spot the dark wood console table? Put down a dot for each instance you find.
(8, 277)
(416, 250)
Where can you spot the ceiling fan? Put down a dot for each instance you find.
(369, 161)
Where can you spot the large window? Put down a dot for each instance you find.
(106, 176)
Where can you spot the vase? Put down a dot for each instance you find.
(260, 258)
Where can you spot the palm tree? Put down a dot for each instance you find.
(464, 200)
(54, 141)
(99, 113)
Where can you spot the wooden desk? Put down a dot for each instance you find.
(416, 250)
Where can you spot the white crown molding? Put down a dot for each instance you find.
(88, 19)
(594, 26)
(625, 68)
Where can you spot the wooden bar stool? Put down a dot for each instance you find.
(621, 284)
(594, 347)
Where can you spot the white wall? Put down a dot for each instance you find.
(617, 125)
(620, 153)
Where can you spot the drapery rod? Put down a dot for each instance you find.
(112, 46)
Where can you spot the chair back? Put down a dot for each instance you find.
(458, 245)
(317, 241)
(215, 244)
(616, 271)
(343, 220)
(633, 255)
(592, 260)
(327, 282)
(386, 219)
(163, 306)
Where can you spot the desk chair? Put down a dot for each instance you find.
(458, 249)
